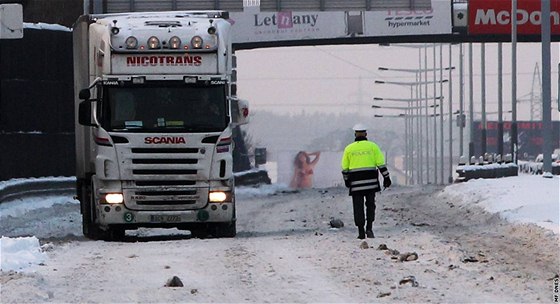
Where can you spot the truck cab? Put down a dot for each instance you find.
(154, 119)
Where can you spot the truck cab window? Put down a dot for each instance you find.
(165, 109)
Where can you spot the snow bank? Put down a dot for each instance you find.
(21, 181)
(46, 26)
(20, 254)
(523, 199)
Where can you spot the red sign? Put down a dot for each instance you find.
(494, 17)
(163, 60)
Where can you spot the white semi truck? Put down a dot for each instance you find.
(154, 118)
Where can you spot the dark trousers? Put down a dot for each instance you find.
(358, 203)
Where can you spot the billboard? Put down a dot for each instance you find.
(256, 26)
(494, 17)
(396, 22)
(529, 137)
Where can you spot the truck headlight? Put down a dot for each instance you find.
(217, 196)
(114, 198)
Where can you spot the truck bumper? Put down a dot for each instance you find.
(118, 214)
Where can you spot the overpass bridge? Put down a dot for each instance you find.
(275, 23)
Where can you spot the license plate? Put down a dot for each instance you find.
(165, 218)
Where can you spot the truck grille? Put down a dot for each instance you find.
(165, 178)
(164, 150)
(159, 183)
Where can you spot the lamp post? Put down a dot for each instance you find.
(409, 126)
(483, 94)
(471, 103)
(546, 86)
(419, 108)
(514, 80)
(450, 178)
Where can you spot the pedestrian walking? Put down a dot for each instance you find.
(361, 163)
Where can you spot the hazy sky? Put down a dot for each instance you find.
(341, 78)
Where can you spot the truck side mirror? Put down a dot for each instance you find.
(240, 109)
(84, 113)
(84, 94)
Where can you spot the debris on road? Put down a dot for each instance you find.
(409, 279)
(174, 282)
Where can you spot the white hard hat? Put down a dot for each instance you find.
(359, 128)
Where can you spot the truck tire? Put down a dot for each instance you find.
(89, 227)
(225, 230)
(114, 234)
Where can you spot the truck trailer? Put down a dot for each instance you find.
(154, 114)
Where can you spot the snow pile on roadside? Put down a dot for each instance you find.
(522, 199)
(21, 206)
(20, 254)
(262, 190)
(23, 181)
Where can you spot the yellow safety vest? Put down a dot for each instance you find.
(362, 154)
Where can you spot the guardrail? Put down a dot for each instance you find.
(487, 166)
(25, 187)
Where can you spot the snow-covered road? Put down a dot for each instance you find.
(285, 251)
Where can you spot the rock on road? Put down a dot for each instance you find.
(285, 251)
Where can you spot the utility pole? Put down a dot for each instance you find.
(471, 103)
(483, 94)
(500, 103)
(546, 84)
(450, 101)
(441, 110)
(461, 101)
(514, 80)
(435, 118)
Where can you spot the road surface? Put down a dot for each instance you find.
(428, 248)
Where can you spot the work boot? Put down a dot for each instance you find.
(369, 234)
(361, 233)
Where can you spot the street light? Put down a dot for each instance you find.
(418, 108)
(409, 83)
(402, 108)
(413, 70)
(406, 99)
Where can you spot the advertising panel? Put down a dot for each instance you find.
(398, 22)
(529, 137)
(286, 25)
(494, 17)
(256, 26)
(165, 63)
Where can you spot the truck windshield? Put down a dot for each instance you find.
(164, 109)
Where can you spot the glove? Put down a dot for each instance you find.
(346, 179)
(387, 182)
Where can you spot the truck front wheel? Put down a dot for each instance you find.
(224, 230)
(89, 227)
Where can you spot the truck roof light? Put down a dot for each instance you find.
(131, 42)
(153, 42)
(174, 42)
(196, 42)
